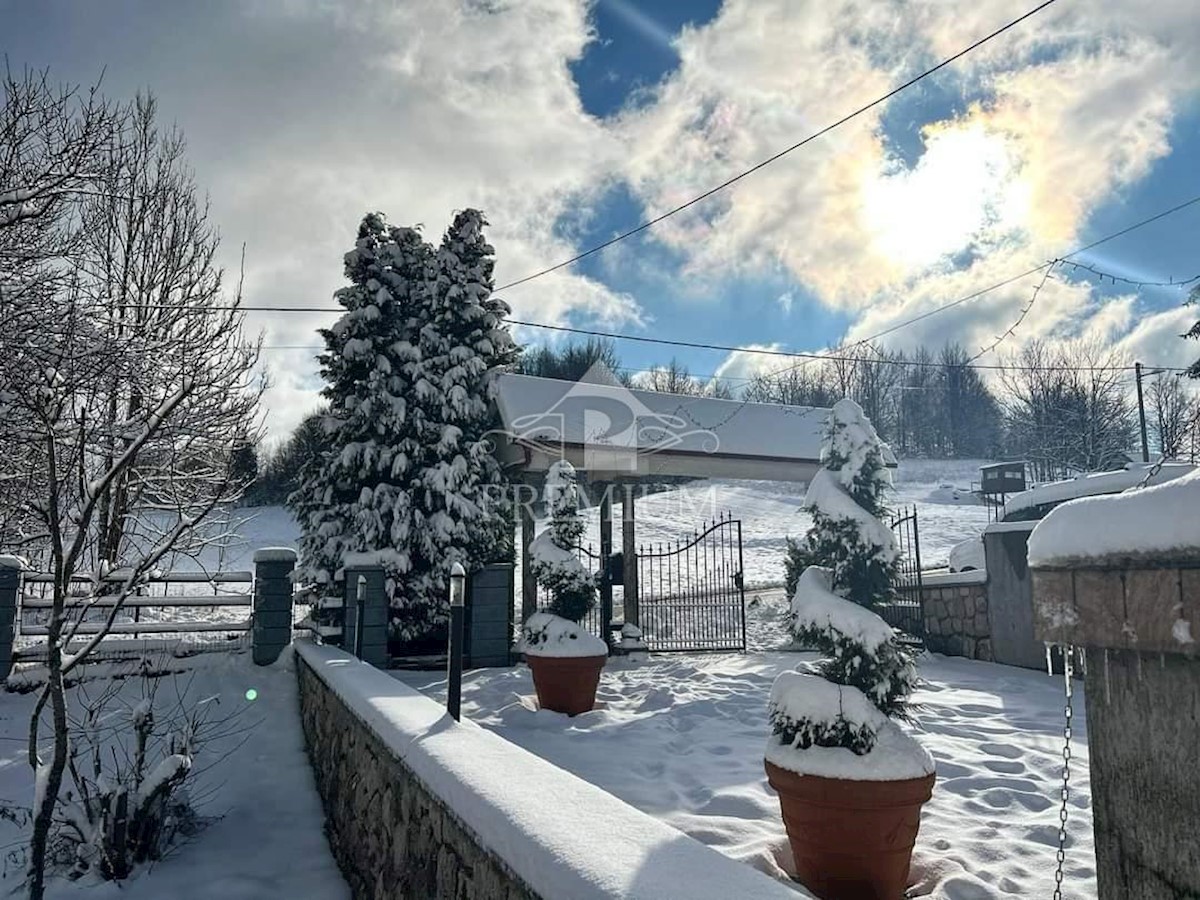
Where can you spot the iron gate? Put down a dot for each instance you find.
(905, 610)
(691, 594)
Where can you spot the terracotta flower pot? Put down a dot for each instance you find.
(566, 684)
(852, 840)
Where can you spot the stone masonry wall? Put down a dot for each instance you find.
(391, 837)
(956, 620)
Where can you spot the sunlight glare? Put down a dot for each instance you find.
(965, 188)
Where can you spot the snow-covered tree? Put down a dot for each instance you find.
(125, 381)
(355, 497)
(461, 508)
(553, 561)
(865, 668)
(407, 480)
(846, 499)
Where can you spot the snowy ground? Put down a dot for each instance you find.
(769, 512)
(265, 833)
(681, 737)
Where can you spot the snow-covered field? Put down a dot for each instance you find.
(264, 837)
(682, 738)
(770, 511)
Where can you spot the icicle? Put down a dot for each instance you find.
(1082, 660)
(1049, 661)
(1162, 661)
(1139, 667)
(1107, 682)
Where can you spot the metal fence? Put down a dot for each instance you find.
(181, 613)
(905, 610)
(691, 593)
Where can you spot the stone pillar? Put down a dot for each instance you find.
(1010, 598)
(272, 622)
(364, 629)
(10, 588)
(629, 551)
(1139, 628)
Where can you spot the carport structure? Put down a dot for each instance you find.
(621, 440)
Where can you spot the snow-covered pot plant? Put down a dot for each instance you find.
(565, 659)
(851, 783)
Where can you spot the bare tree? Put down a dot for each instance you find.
(674, 378)
(1174, 415)
(1068, 407)
(126, 382)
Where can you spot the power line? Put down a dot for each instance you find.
(650, 223)
(1104, 240)
(807, 356)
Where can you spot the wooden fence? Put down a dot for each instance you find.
(181, 613)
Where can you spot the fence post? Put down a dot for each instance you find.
(10, 586)
(272, 630)
(364, 628)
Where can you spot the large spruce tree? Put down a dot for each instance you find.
(407, 480)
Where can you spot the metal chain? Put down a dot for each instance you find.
(1067, 650)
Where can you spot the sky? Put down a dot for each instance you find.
(569, 121)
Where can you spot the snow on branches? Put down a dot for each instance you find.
(407, 471)
(866, 675)
(552, 555)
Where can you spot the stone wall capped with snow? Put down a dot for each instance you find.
(421, 806)
(392, 839)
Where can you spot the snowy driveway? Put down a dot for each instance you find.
(681, 737)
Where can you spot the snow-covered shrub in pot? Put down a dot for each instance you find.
(851, 783)
(565, 659)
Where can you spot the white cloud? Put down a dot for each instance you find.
(1064, 113)
(303, 115)
(421, 109)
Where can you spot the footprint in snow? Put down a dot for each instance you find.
(1005, 766)
(1008, 751)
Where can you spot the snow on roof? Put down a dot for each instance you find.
(1162, 522)
(551, 411)
(1092, 484)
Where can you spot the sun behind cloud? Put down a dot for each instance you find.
(964, 191)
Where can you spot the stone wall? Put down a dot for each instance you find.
(421, 806)
(391, 837)
(956, 616)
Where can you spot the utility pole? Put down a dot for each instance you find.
(1137, 369)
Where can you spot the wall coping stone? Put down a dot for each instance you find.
(540, 820)
(952, 579)
(1002, 527)
(1146, 608)
(275, 554)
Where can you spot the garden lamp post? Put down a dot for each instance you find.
(458, 590)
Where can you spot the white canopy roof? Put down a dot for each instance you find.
(611, 431)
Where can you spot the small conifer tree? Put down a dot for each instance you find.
(853, 559)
